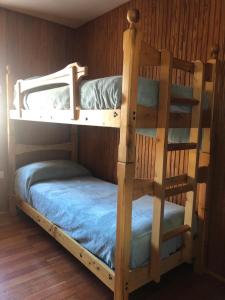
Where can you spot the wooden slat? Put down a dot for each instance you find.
(103, 118)
(176, 180)
(62, 76)
(178, 190)
(175, 232)
(146, 117)
(181, 146)
(142, 187)
(183, 65)
(22, 148)
(184, 101)
(149, 56)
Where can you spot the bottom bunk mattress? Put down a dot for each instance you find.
(85, 208)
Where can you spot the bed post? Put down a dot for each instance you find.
(77, 72)
(11, 145)
(126, 155)
(204, 188)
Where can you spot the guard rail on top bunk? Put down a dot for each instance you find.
(146, 117)
(136, 53)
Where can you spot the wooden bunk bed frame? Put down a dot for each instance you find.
(123, 280)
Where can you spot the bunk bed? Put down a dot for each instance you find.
(144, 235)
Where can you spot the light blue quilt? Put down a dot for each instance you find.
(85, 208)
(102, 93)
(106, 93)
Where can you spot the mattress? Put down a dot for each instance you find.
(85, 208)
(106, 93)
(102, 93)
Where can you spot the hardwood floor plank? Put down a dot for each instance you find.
(34, 266)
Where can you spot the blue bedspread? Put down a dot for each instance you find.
(85, 208)
(103, 93)
(106, 93)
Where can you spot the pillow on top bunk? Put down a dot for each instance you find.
(46, 170)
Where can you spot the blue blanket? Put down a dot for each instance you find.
(103, 93)
(85, 208)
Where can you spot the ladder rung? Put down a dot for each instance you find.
(179, 190)
(176, 180)
(181, 146)
(142, 187)
(183, 65)
(175, 232)
(184, 101)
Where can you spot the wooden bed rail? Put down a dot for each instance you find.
(149, 56)
(183, 65)
(70, 75)
(152, 57)
(24, 148)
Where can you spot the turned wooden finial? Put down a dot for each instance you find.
(215, 51)
(133, 17)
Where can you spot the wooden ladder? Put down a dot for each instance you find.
(187, 183)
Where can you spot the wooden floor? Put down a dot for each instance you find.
(34, 266)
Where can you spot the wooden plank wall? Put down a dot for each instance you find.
(31, 47)
(188, 28)
(3, 162)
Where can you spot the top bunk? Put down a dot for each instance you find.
(65, 97)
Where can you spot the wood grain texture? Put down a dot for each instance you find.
(3, 149)
(188, 28)
(35, 266)
(31, 47)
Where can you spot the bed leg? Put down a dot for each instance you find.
(199, 261)
(123, 235)
(121, 293)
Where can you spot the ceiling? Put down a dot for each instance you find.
(72, 13)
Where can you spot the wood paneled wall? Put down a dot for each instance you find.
(31, 47)
(3, 161)
(188, 28)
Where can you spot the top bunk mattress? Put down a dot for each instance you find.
(102, 93)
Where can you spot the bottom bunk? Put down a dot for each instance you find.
(79, 211)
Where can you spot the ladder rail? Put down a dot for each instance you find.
(161, 191)
(161, 161)
(193, 161)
